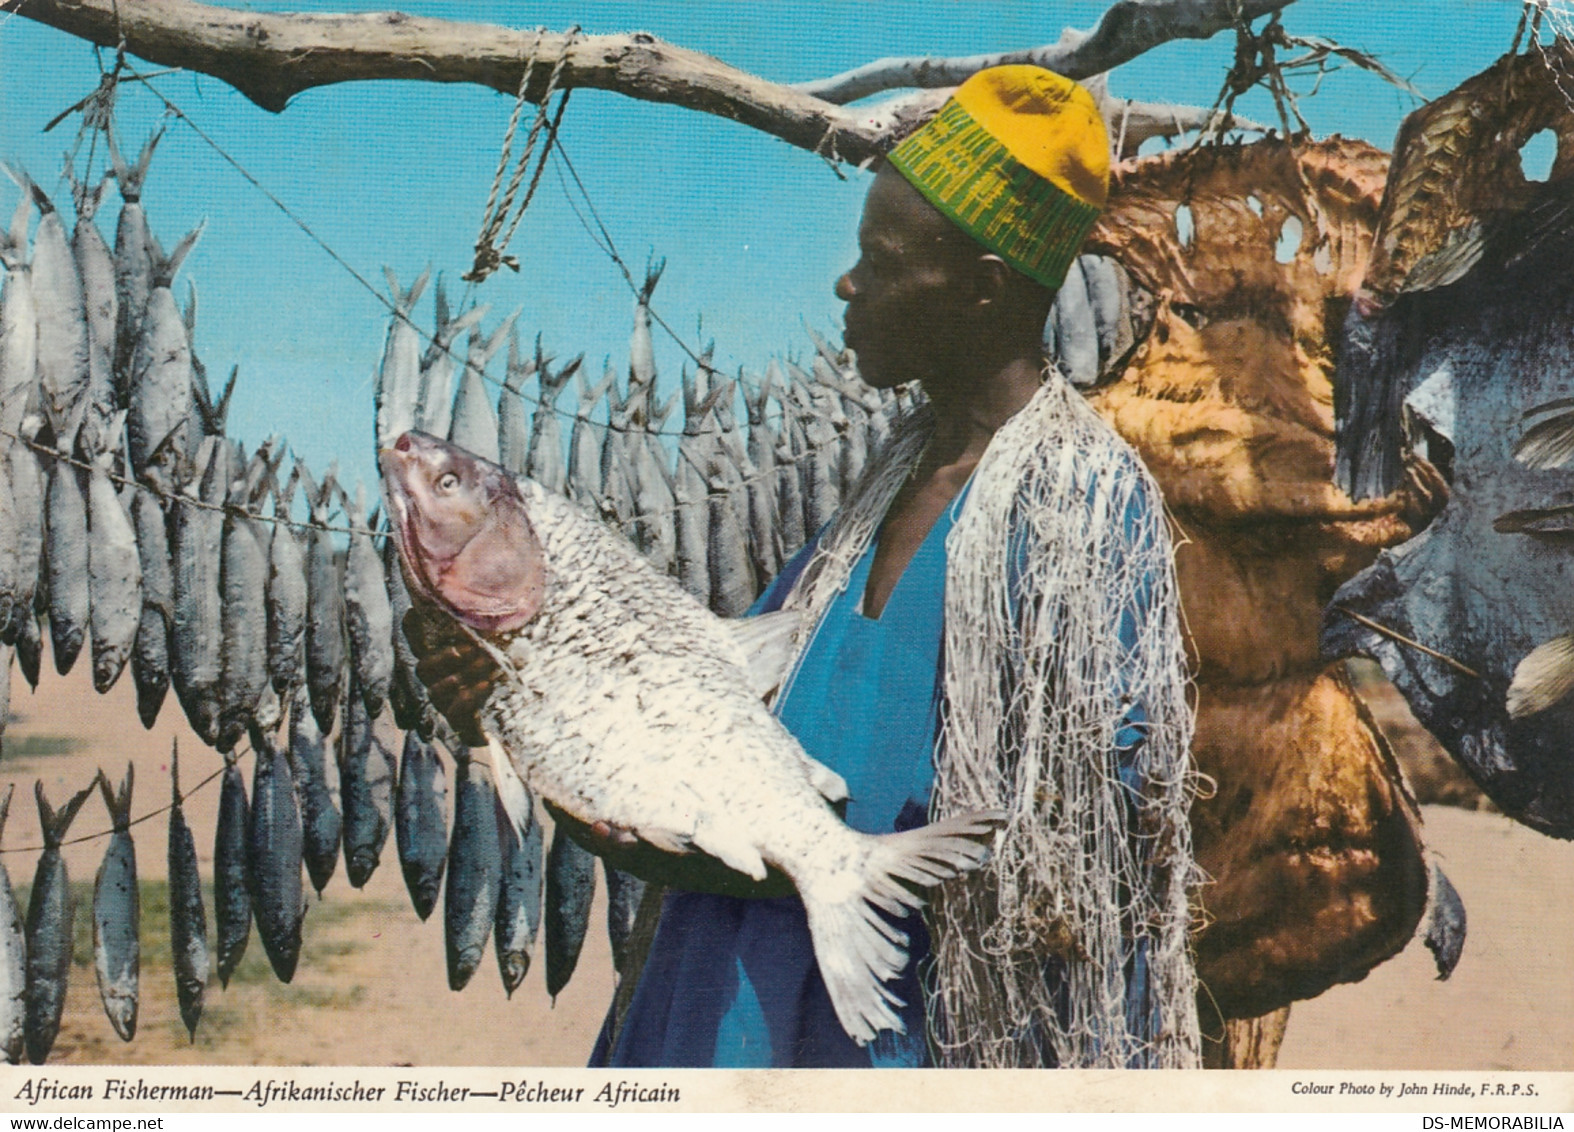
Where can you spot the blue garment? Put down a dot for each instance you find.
(732, 982)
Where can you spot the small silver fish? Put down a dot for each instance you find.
(419, 824)
(520, 887)
(286, 598)
(160, 396)
(66, 561)
(321, 825)
(196, 550)
(188, 921)
(231, 894)
(133, 260)
(399, 375)
(274, 857)
(368, 617)
(13, 960)
(366, 780)
(114, 566)
(474, 426)
(50, 910)
(475, 866)
(570, 890)
(117, 915)
(325, 632)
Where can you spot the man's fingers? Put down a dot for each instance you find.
(616, 834)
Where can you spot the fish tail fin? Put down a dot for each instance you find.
(858, 948)
(512, 793)
(5, 805)
(55, 823)
(1543, 678)
(118, 803)
(174, 772)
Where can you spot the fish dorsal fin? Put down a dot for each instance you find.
(55, 823)
(511, 790)
(768, 644)
(118, 803)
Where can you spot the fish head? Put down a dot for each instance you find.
(464, 533)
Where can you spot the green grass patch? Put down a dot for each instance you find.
(31, 748)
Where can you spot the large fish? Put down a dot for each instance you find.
(321, 825)
(188, 922)
(13, 960)
(274, 856)
(50, 909)
(622, 700)
(419, 825)
(117, 915)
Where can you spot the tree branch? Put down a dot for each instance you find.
(1128, 29)
(271, 57)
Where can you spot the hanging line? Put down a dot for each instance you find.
(150, 815)
(490, 253)
(427, 336)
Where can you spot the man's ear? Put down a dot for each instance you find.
(992, 279)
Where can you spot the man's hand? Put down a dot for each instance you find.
(457, 672)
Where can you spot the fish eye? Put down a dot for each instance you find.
(447, 482)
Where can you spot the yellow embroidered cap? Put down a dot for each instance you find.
(1019, 158)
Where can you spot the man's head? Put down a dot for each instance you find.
(971, 224)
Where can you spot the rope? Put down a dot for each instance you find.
(489, 255)
(150, 815)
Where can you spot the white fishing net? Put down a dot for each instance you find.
(1035, 960)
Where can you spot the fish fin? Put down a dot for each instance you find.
(667, 840)
(118, 803)
(132, 178)
(484, 348)
(404, 301)
(767, 644)
(1543, 678)
(439, 305)
(856, 948)
(517, 370)
(308, 486)
(13, 244)
(653, 272)
(1445, 928)
(5, 805)
(512, 793)
(731, 846)
(174, 771)
(55, 823)
(1547, 444)
(165, 267)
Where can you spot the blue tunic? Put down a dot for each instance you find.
(733, 983)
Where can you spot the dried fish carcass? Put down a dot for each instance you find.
(325, 632)
(420, 827)
(286, 598)
(321, 825)
(50, 909)
(160, 396)
(188, 921)
(274, 857)
(96, 269)
(196, 545)
(13, 960)
(114, 565)
(368, 617)
(117, 915)
(150, 669)
(133, 262)
(366, 781)
(231, 892)
(475, 866)
(399, 375)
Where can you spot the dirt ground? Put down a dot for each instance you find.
(371, 987)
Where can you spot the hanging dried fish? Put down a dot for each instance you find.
(117, 915)
(188, 922)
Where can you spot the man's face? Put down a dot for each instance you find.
(909, 296)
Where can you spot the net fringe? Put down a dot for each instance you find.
(1032, 956)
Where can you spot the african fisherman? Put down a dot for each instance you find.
(994, 626)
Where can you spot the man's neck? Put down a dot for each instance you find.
(969, 408)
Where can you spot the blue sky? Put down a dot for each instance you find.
(754, 231)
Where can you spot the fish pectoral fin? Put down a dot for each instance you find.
(667, 840)
(832, 786)
(737, 854)
(766, 643)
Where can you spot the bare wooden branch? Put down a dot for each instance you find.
(1128, 29)
(271, 57)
